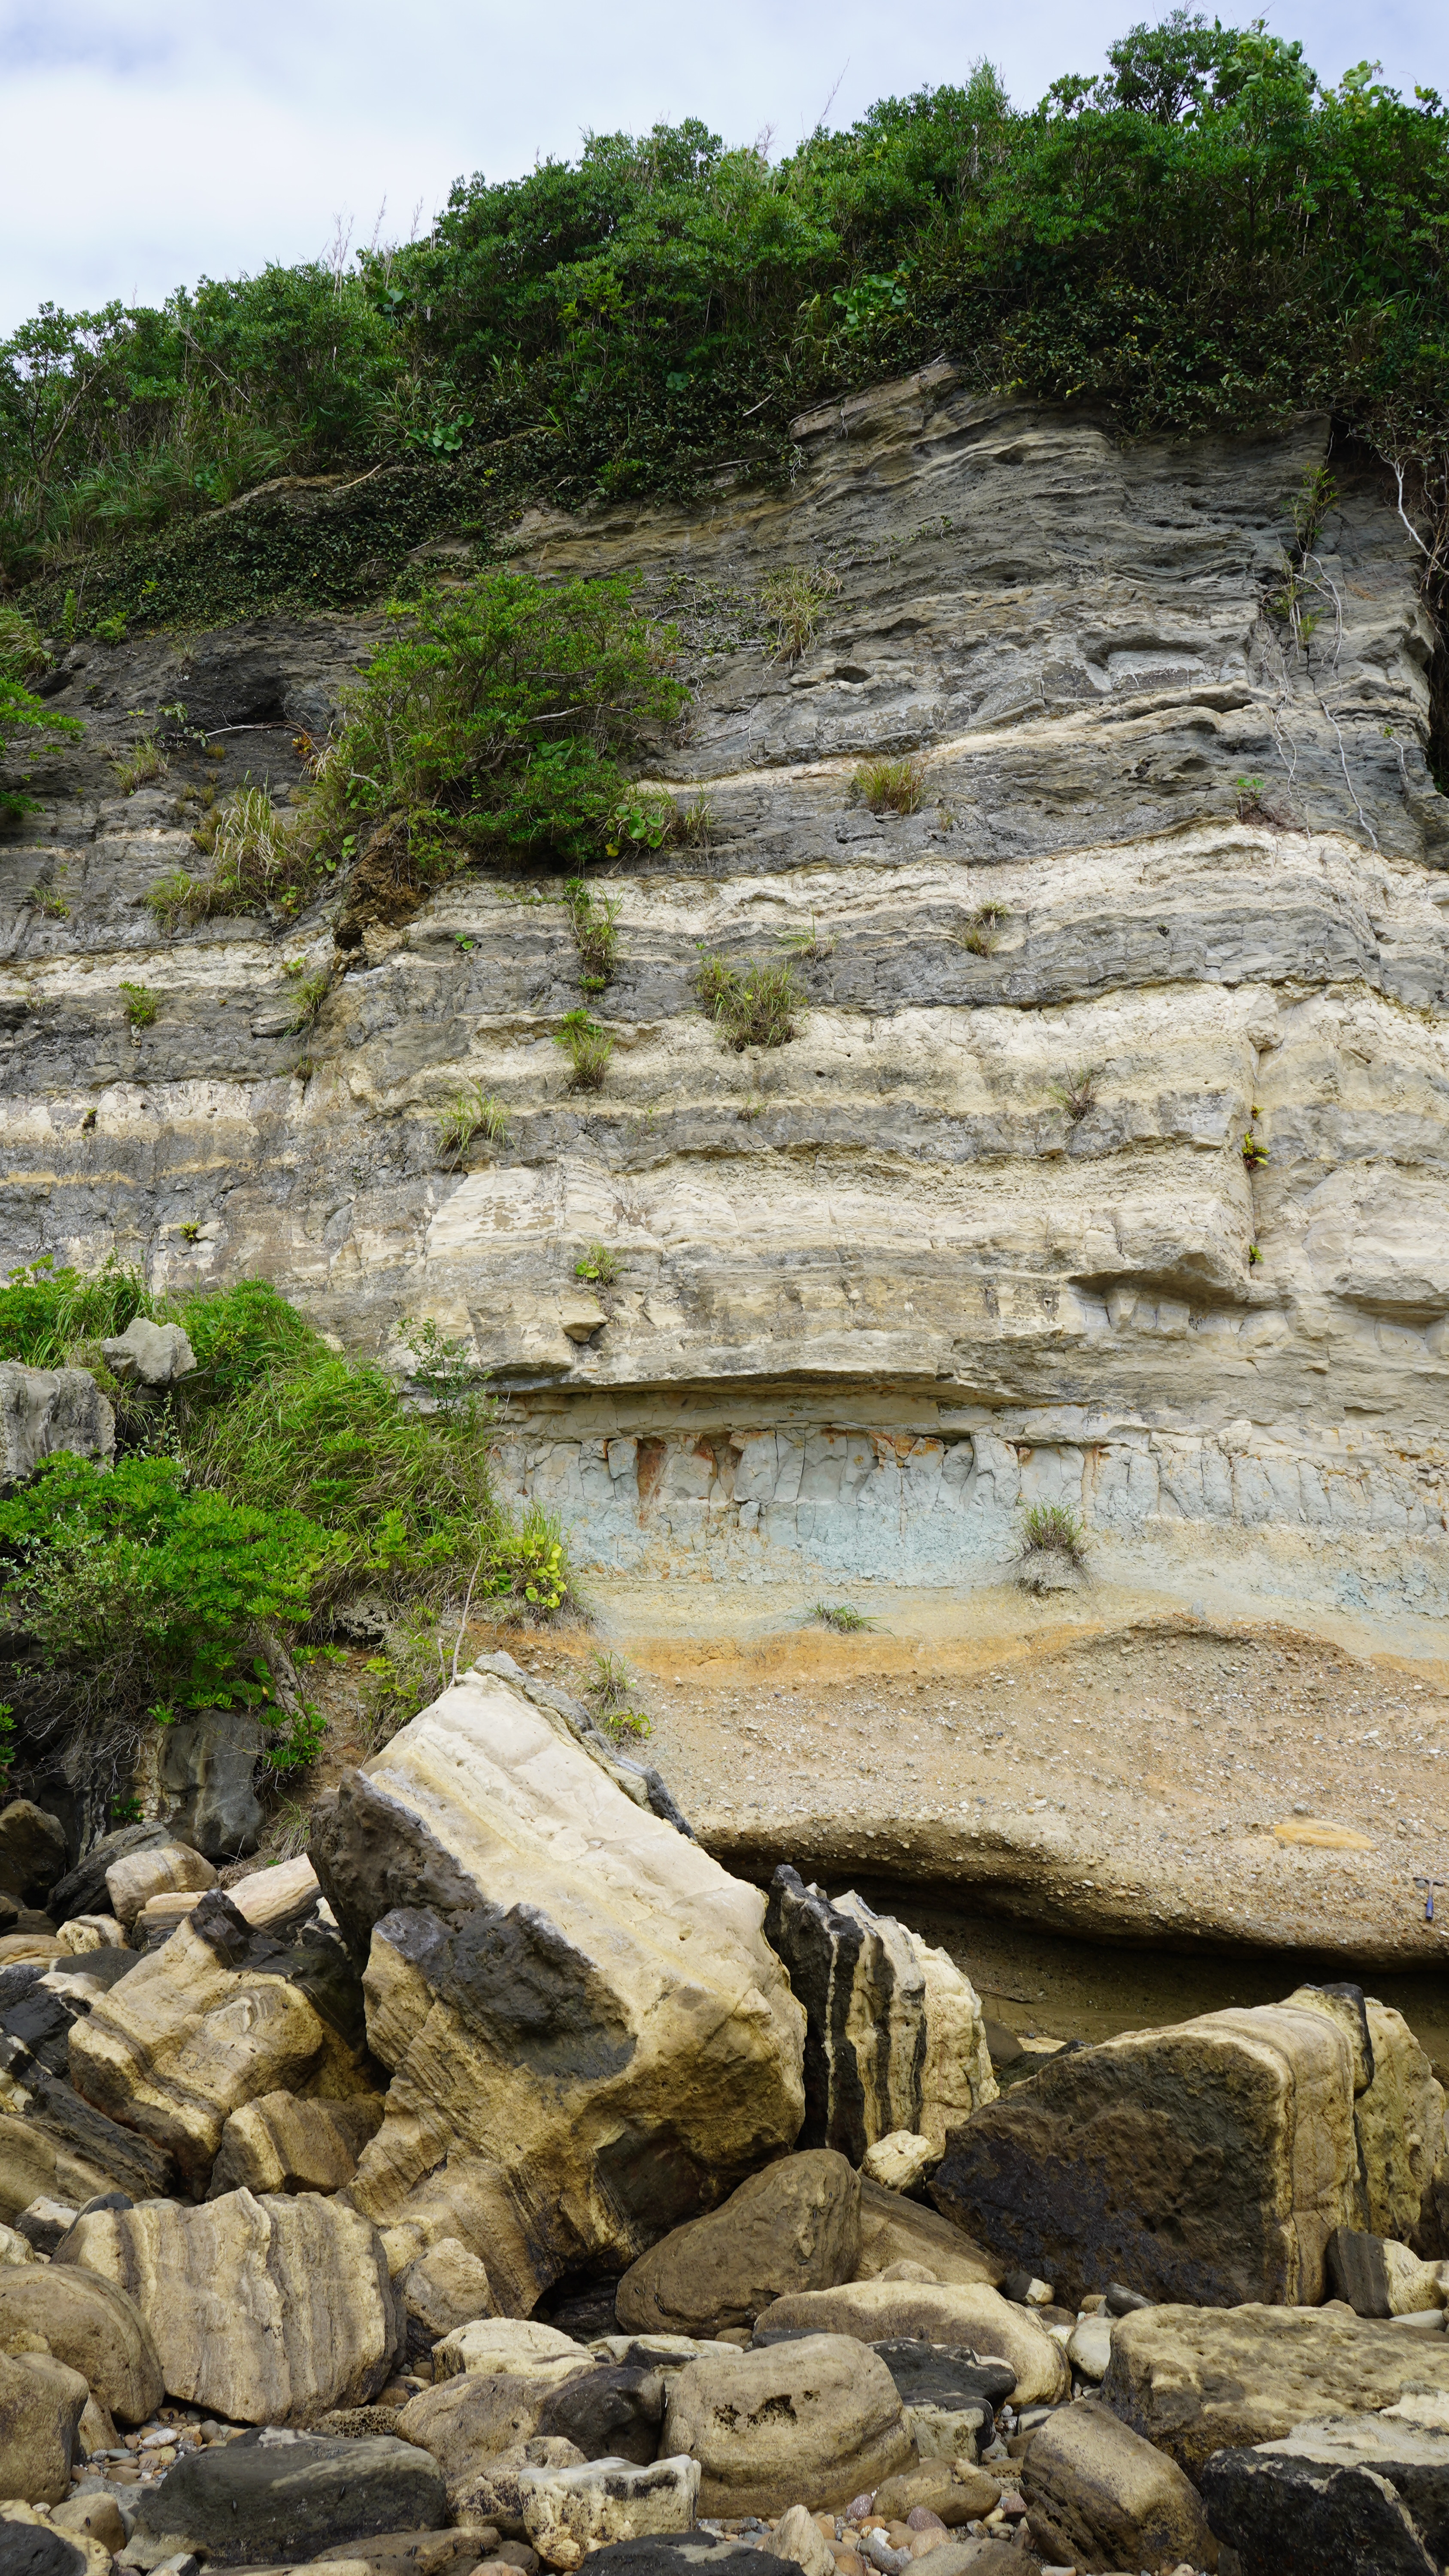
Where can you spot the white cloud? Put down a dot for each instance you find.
(147, 142)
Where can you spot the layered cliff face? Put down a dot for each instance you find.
(984, 1231)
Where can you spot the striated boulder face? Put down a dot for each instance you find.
(1211, 2161)
(590, 2039)
(264, 2311)
(894, 2036)
(216, 2017)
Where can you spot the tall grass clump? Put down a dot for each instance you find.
(750, 1005)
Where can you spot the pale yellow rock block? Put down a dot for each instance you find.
(170, 1870)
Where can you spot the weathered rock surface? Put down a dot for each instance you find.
(949, 2397)
(796, 2226)
(215, 2018)
(568, 2513)
(612, 2412)
(1199, 2380)
(286, 2495)
(893, 2230)
(954, 2494)
(41, 2404)
(92, 2325)
(32, 1851)
(33, 2546)
(43, 1410)
(894, 2037)
(35, 2165)
(263, 2311)
(589, 2036)
(148, 1354)
(207, 1768)
(1101, 2497)
(1290, 2513)
(1210, 2161)
(168, 1869)
(281, 2143)
(819, 2419)
(444, 2288)
(958, 2314)
(1379, 2278)
(1018, 1305)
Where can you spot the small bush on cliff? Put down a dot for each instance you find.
(45, 1312)
(753, 1005)
(496, 720)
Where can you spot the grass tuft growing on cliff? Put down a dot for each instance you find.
(752, 1005)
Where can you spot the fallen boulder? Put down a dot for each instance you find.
(31, 2544)
(91, 2324)
(894, 2033)
(1209, 2162)
(592, 2039)
(819, 2418)
(961, 2315)
(1199, 2380)
(612, 2412)
(281, 2142)
(35, 2165)
(950, 2398)
(796, 2226)
(1099, 2497)
(208, 1767)
(1328, 2502)
(1398, 2115)
(955, 2494)
(215, 2018)
(479, 2419)
(1379, 2278)
(41, 2404)
(284, 2495)
(164, 1869)
(264, 2311)
(569, 2512)
(445, 2288)
(148, 1354)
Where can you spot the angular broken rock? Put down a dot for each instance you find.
(1398, 2111)
(1210, 2161)
(36, 2165)
(949, 2397)
(798, 2535)
(208, 1782)
(149, 1354)
(169, 1869)
(591, 2038)
(1306, 2484)
(972, 2316)
(445, 2288)
(954, 2495)
(1379, 2278)
(503, 2343)
(1101, 2497)
(568, 2512)
(819, 2419)
(274, 2495)
(900, 2161)
(206, 2023)
(283, 2143)
(894, 2033)
(1280, 2514)
(479, 2418)
(43, 1410)
(93, 2325)
(32, 2544)
(41, 2404)
(1199, 2380)
(265, 2311)
(796, 2226)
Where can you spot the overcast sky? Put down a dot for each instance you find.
(148, 141)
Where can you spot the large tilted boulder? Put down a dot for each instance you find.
(1209, 2162)
(819, 2419)
(1398, 2114)
(893, 2230)
(894, 2032)
(216, 2017)
(1360, 2492)
(265, 2311)
(1199, 2380)
(796, 2226)
(93, 2325)
(591, 2040)
(1101, 2497)
(964, 2316)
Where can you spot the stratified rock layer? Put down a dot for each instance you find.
(984, 1233)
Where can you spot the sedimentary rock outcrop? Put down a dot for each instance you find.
(880, 1286)
(589, 2038)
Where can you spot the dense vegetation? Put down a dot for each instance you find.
(276, 1482)
(1204, 238)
